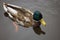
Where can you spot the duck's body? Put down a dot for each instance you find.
(22, 16)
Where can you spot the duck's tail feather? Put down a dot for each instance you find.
(6, 14)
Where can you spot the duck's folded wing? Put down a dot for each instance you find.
(11, 5)
(18, 8)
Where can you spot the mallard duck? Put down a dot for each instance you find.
(24, 17)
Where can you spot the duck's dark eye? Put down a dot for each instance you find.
(40, 16)
(5, 14)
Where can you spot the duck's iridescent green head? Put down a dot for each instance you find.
(37, 15)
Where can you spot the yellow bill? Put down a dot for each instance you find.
(43, 22)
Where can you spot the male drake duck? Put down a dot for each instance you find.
(24, 17)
